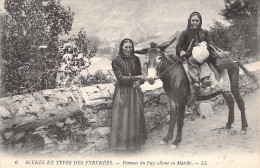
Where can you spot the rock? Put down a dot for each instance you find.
(88, 113)
(84, 95)
(9, 134)
(4, 112)
(27, 101)
(35, 107)
(40, 128)
(69, 121)
(87, 132)
(63, 144)
(104, 118)
(90, 89)
(94, 119)
(48, 141)
(101, 144)
(47, 92)
(71, 97)
(48, 149)
(18, 97)
(38, 96)
(19, 135)
(206, 109)
(62, 97)
(18, 146)
(87, 148)
(49, 106)
(101, 132)
(60, 124)
(23, 119)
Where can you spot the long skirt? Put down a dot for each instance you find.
(128, 129)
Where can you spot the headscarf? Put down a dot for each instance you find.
(195, 33)
(189, 20)
(126, 40)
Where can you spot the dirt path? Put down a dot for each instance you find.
(203, 141)
(204, 135)
(202, 138)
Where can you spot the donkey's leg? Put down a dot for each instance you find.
(230, 103)
(241, 106)
(172, 122)
(234, 79)
(180, 118)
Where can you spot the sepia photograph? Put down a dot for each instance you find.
(129, 83)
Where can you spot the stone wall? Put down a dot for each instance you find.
(78, 119)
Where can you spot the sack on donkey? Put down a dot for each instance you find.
(200, 52)
(221, 58)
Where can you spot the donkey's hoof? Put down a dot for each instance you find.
(163, 142)
(228, 127)
(174, 147)
(243, 132)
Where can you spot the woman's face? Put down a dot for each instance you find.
(127, 49)
(195, 21)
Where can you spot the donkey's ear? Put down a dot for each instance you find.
(165, 45)
(142, 51)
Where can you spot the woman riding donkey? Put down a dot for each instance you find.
(175, 81)
(192, 36)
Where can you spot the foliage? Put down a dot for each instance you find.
(75, 57)
(98, 78)
(30, 43)
(240, 37)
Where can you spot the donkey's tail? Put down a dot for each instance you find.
(247, 72)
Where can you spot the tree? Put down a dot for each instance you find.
(30, 43)
(75, 55)
(243, 17)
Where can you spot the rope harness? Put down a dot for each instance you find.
(160, 75)
(188, 50)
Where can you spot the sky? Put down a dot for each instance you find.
(111, 20)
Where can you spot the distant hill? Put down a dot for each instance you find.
(113, 20)
(109, 21)
(111, 52)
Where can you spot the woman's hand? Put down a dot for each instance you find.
(141, 77)
(182, 53)
(136, 85)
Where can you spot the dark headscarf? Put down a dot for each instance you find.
(126, 40)
(195, 33)
(194, 14)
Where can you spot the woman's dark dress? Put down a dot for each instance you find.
(128, 129)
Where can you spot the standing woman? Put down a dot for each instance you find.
(128, 129)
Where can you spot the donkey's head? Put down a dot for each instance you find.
(154, 56)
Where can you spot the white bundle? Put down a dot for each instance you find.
(200, 52)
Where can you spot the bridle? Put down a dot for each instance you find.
(161, 74)
(179, 59)
(188, 50)
(161, 63)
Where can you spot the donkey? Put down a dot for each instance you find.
(176, 87)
